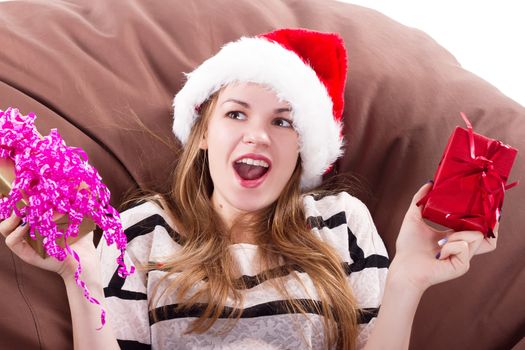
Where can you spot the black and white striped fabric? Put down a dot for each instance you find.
(341, 220)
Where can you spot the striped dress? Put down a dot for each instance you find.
(340, 220)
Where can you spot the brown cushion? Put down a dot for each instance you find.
(95, 68)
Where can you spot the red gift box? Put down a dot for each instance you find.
(470, 182)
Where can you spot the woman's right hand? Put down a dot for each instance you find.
(426, 256)
(15, 234)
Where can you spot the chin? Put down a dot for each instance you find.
(253, 204)
(251, 207)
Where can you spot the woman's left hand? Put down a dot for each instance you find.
(426, 256)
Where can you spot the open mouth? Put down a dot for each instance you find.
(250, 169)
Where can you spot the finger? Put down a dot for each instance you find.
(16, 237)
(443, 235)
(496, 229)
(473, 238)
(414, 210)
(16, 241)
(458, 254)
(492, 242)
(479, 244)
(489, 244)
(422, 192)
(8, 225)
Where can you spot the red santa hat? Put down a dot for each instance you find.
(303, 67)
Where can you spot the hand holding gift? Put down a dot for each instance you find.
(470, 182)
(7, 178)
(54, 190)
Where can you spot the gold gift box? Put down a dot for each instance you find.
(7, 177)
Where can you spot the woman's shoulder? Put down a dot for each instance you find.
(148, 216)
(143, 209)
(347, 220)
(149, 229)
(332, 204)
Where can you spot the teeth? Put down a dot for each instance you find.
(250, 161)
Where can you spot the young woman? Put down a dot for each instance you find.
(247, 250)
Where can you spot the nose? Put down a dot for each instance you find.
(256, 135)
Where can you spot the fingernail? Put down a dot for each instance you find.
(430, 181)
(442, 241)
(438, 255)
(23, 224)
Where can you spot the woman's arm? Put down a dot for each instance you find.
(85, 315)
(85, 318)
(423, 258)
(393, 324)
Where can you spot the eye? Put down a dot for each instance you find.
(236, 115)
(284, 123)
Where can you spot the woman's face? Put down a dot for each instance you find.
(252, 148)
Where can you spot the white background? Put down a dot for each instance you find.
(486, 37)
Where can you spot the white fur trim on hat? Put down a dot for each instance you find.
(258, 60)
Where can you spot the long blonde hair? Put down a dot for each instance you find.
(280, 231)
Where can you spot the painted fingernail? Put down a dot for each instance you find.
(430, 181)
(23, 224)
(438, 255)
(442, 241)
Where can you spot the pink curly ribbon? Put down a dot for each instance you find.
(49, 175)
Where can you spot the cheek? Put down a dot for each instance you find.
(289, 154)
(221, 142)
(291, 148)
(218, 136)
(291, 162)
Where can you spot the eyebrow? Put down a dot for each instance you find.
(247, 105)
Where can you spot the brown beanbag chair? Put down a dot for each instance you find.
(98, 69)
